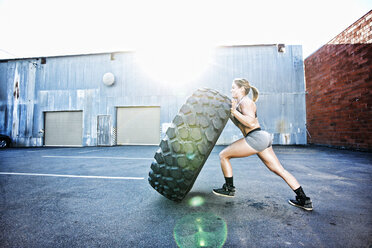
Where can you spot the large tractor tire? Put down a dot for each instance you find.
(188, 142)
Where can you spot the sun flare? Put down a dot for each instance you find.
(174, 63)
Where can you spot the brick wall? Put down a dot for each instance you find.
(339, 87)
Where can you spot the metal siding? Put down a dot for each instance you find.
(74, 83)
(4, 97)
(280, 80)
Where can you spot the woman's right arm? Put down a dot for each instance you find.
(235, 120)
(238, 124)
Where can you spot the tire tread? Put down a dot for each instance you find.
(188, 142)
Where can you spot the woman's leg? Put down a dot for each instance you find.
(269, 158)
(238, 149)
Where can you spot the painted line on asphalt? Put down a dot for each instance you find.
(86, 157)
(89, 151)
(46, 149)
(69, 176)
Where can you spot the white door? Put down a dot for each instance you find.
(104, 130)
(63, 128)
(138, 125)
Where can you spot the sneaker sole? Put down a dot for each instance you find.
(307, 209)
(223, 194)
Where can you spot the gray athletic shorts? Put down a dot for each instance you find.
(258, 139)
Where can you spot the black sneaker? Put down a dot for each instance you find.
(228, 191)
(302, 203)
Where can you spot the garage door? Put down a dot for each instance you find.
(63, 128)
(138, 125)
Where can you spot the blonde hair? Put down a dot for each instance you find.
(241, 82)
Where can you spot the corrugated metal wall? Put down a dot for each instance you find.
(75, 83)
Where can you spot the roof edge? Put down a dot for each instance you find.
(127, 51)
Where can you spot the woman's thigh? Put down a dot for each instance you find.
(271, 161)
(273, 164)
(238, 149)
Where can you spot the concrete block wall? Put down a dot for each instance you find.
(339, 85)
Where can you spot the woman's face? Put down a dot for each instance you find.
(236, 91)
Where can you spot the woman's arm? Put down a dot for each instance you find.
(234, 120)
(247, 117)
(232, 117)
(237, 123)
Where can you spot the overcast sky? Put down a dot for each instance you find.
(35, 28)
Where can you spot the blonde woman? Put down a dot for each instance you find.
(255, 141)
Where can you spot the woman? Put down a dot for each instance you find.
(255, 141)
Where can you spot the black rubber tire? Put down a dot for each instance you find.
(188, 142)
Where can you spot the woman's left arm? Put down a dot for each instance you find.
(247, 117)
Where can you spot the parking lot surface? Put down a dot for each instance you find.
(100, 197)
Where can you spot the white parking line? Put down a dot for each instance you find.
(70, 176)
(45, 149)
(86, 157)
(89, 151)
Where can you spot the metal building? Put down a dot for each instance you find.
(63, 101)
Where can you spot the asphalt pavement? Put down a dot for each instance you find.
(100, 197)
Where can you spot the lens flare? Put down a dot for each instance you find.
(200, 230)
(196, 201)
(190, 156)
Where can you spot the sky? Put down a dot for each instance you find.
(41, 28)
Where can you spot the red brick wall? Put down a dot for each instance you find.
(339, 88)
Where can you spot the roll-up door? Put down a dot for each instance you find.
(64, 128)
(138, 125)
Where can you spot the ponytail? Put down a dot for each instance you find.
(255, 93)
